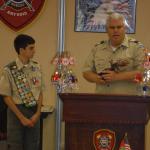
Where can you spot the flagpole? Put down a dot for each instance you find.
(60, 49)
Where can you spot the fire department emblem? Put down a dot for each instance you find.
(104, 139)
(16, 14)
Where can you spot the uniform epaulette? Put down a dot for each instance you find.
(133, 40)
(35, 62)
(101, 42)
(11, 64)
(137, 42)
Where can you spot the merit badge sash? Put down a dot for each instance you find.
(22, 85)
(104, 139)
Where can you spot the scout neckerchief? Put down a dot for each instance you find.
(23, 86)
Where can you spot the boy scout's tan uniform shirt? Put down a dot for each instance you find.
(99, 59)
(33, 74)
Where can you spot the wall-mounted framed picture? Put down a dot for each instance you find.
(90, 15)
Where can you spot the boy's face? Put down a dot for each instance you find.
(28, 51)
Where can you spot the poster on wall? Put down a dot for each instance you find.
(90, 15)
(17, 14)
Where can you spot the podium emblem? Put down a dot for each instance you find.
(16, 14)
(104, 139)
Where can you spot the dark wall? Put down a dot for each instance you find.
(3, 119)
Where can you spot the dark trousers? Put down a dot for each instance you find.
(3, 119)
(20, 137)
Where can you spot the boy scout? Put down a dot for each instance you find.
(113, 64)
(21, 86)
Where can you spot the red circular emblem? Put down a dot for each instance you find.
(104, 139)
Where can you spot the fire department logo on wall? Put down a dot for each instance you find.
(16, 14)
(104, 139)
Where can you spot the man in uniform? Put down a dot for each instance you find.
(21, 86)
(114, 63)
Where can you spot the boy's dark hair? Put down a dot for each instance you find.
(22, 41)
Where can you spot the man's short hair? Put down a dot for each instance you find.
(22, 41)
(115, 15)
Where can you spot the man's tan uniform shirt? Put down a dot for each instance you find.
(33, 75)
(130, 51)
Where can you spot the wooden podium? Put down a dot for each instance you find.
(84, 114)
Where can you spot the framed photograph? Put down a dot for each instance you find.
(90, 15)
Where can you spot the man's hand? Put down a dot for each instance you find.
(109, 76)
(93, 77)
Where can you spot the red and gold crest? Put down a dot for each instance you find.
(104, 139)
(16, 14)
